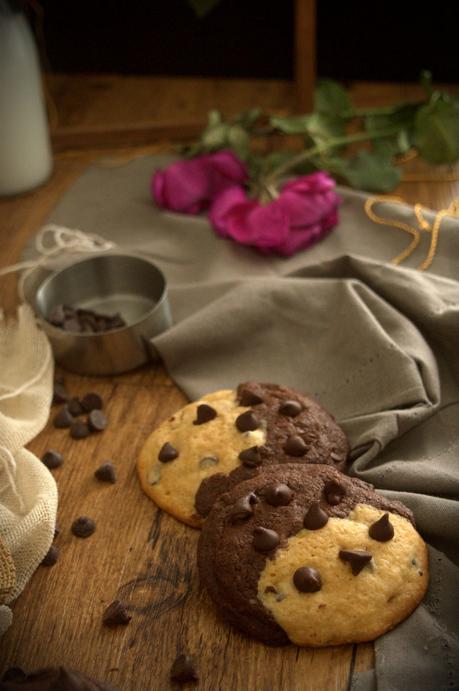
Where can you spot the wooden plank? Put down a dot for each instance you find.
(305, 54)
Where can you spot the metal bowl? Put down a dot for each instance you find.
(106, 283)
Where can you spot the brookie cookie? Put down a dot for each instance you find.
(304, 554)
(224, 438)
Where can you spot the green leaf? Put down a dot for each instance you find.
(215, 137)
(202, 7)
(214, 117)
(366, 170)
(248, 117)
(294, 124)
(239, 140)
(330, 98)
(437, 130)
(402, 119)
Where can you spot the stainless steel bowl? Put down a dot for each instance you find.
(107, 283)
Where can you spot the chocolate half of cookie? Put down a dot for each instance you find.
(298, 430)
(284, 564)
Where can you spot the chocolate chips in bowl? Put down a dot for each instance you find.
(101, 312)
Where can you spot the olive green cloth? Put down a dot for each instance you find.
(378, 345)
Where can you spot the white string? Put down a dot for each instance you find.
(53, 240)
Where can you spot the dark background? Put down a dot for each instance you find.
(368, 40)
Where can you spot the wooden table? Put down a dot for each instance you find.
(138, 553)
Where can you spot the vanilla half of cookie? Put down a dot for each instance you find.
(200, 440)
(318, 595)
(304, 554)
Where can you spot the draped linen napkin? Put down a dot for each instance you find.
(374, 343)
(28, 494)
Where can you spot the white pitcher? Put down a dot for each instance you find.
(25, 151)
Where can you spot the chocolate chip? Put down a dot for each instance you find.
(307, 580)
(79, 430)
(83, 526)
(57, 315)
(333, 492)
(248, 398)
(357, 558)
(270, 589)
(167, 453)
(243, 508)
(71, 324)
(60, 393)
(184, 669)
(295, 446)
(116, 614)
(63, 418)
(290, 408)
(97, 421)
(14, 674)
(278, 495)
(106, 473)
(51, 556)
(264, 539)
(91, 401)
(208, 462)
(75, 407)
(315, 517)
(52, 459)
(204, 413)
(251, 457)
(246, 422)
(382, 530)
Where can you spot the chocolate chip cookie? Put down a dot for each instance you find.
(226, 437)
(304, 554)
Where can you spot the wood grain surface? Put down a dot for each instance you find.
(139, 554)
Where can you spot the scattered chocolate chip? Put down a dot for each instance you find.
(75, 407)
(295, 446)
(167, 453)
(83, 526)
(57, 315)
(333, 492)
(357, 559)
(307, 580)
(116, 614)
(97, 421)
(106, 473)
(248, 398)
(278, 495)
(315, 517)
(208, 462)
(79, 430)
(91, 401)
(52, 459)
(290, 408)
(243, 508)
(264, 539)
(246, 422)
(60, 393)
(51, 556)
(184, 669)
(14, 674)
(63, 418)
(382, 530)
(251, 457)
(204, 413)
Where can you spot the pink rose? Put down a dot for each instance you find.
(190, 186)
(304, 212)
